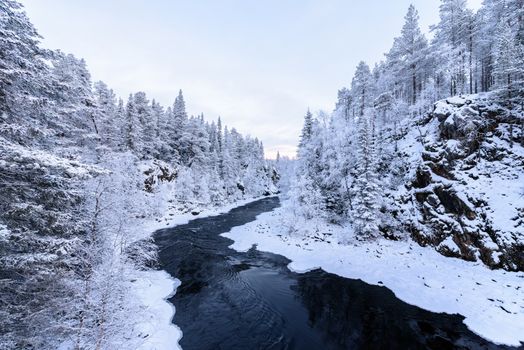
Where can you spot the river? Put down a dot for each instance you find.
(232, 300)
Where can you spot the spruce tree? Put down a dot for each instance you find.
(180, 139)
(133, 132)
(365, 213)
(306, 129)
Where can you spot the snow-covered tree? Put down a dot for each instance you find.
(509, 59)
(407, 57)
(366, 201)
(198, 150)
(21, 57)
(451, 44)
(108, 117)
(148, 125)
(178, 137)
(307, 129)
(362, 88)
(133, 128)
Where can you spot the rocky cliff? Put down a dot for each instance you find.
(464, 190)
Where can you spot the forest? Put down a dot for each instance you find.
(80, 170)
(457, 101)
(117, 211)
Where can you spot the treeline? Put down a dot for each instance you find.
(80, 172)
(347, 159)
(47, 100)
(214, 163)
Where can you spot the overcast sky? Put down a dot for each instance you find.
(257, 64)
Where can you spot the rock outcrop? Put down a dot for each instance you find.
(465, 194)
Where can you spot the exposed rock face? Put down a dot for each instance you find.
(158, 172)
(467, 186)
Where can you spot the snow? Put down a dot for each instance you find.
(450, 244)
(500, 186)
(442, 108)
(4, 233)
(153, 289)
(456, 100)
(492, 301)
(453, 147)
(47, 160)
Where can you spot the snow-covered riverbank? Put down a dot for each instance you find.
(153, 288)
(492, 302)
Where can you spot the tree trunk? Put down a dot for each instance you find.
(414, 97)
(470, 63)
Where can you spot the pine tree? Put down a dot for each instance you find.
(71, 88)
(361, 88)
(168, 153)
(107, 116)
(214, 151)
(344, 102)
(450, 43)
(198, 151)
(148, 124)
(332, 167)
(220, 150)
(219, 134)
(179, 108)
(309, 167)
(487, 19)
(408, 54)
(229, 165)
(121, 123)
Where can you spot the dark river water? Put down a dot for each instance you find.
(232, 300)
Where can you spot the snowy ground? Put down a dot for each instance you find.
(492, 302)
(153, 288)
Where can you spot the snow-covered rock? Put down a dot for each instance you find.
(467, 182)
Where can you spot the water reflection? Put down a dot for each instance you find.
(354, 315)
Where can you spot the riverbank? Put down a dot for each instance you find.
(492, 301)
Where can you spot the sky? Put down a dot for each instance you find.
(259, 65)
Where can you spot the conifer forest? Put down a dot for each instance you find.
(396, 221)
